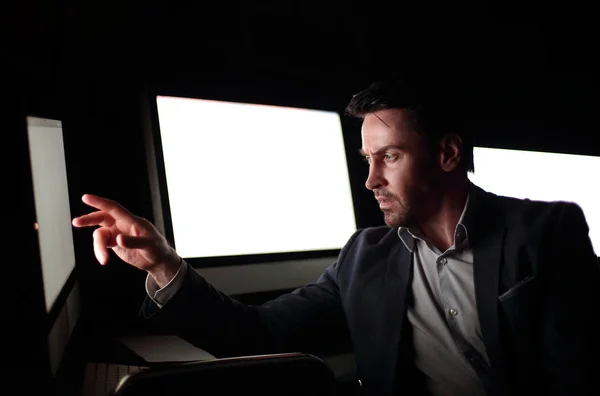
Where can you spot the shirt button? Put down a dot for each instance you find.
(453, 312)
(443, 261)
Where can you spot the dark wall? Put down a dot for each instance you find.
(527, 71)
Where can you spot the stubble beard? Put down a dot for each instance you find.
(397, 219)
(401, 216)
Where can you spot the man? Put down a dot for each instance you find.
(462, 293)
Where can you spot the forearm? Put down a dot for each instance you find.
(210, 319)
(310, 319)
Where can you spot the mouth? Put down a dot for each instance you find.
(384, 203)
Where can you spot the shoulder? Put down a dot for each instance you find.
(530, 215)
(376, 235)
(371, 238)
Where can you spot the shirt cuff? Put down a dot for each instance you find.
(162, 296)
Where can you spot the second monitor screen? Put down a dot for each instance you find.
(254, 179)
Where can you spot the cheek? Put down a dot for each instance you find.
(407, 180)
(400, 181)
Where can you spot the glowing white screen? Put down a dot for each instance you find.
(544, 177)
(253, 179)
(51, 204)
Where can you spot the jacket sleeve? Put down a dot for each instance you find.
(309, 319)
(571, 330)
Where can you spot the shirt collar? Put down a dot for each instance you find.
(461, 233)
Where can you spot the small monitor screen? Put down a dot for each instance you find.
(53, 215)
(247, 179)
(542, 176)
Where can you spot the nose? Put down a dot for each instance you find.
(375, 178)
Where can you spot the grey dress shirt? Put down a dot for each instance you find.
(447, 338)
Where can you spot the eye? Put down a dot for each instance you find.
(367, 159)
(390, 157)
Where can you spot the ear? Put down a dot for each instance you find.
(450, 152)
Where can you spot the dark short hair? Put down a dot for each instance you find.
(436, 106)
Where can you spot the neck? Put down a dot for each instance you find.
(439, 227)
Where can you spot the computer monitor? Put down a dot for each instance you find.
(61, 300)
(248, 182)
(543, 176)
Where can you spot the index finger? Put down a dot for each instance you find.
(100, 218)
(105, 204)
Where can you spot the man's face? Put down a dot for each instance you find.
(401, 172)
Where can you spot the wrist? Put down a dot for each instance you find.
(164, 272)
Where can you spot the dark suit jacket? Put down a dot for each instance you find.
(537, 287)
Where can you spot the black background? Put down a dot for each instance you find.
(528, 69)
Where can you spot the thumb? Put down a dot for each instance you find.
(136, 242)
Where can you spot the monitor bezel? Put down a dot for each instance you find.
(250, 94)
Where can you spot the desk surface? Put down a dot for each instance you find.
(101, 346)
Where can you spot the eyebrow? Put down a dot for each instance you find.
(382, 149)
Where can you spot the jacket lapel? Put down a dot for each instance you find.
(487, 241)
(397, 284)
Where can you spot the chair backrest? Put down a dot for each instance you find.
(278, 374)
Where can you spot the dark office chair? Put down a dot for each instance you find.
(279, 374)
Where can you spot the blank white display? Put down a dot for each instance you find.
(543, 176)
(254, 179)
(52, 209)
